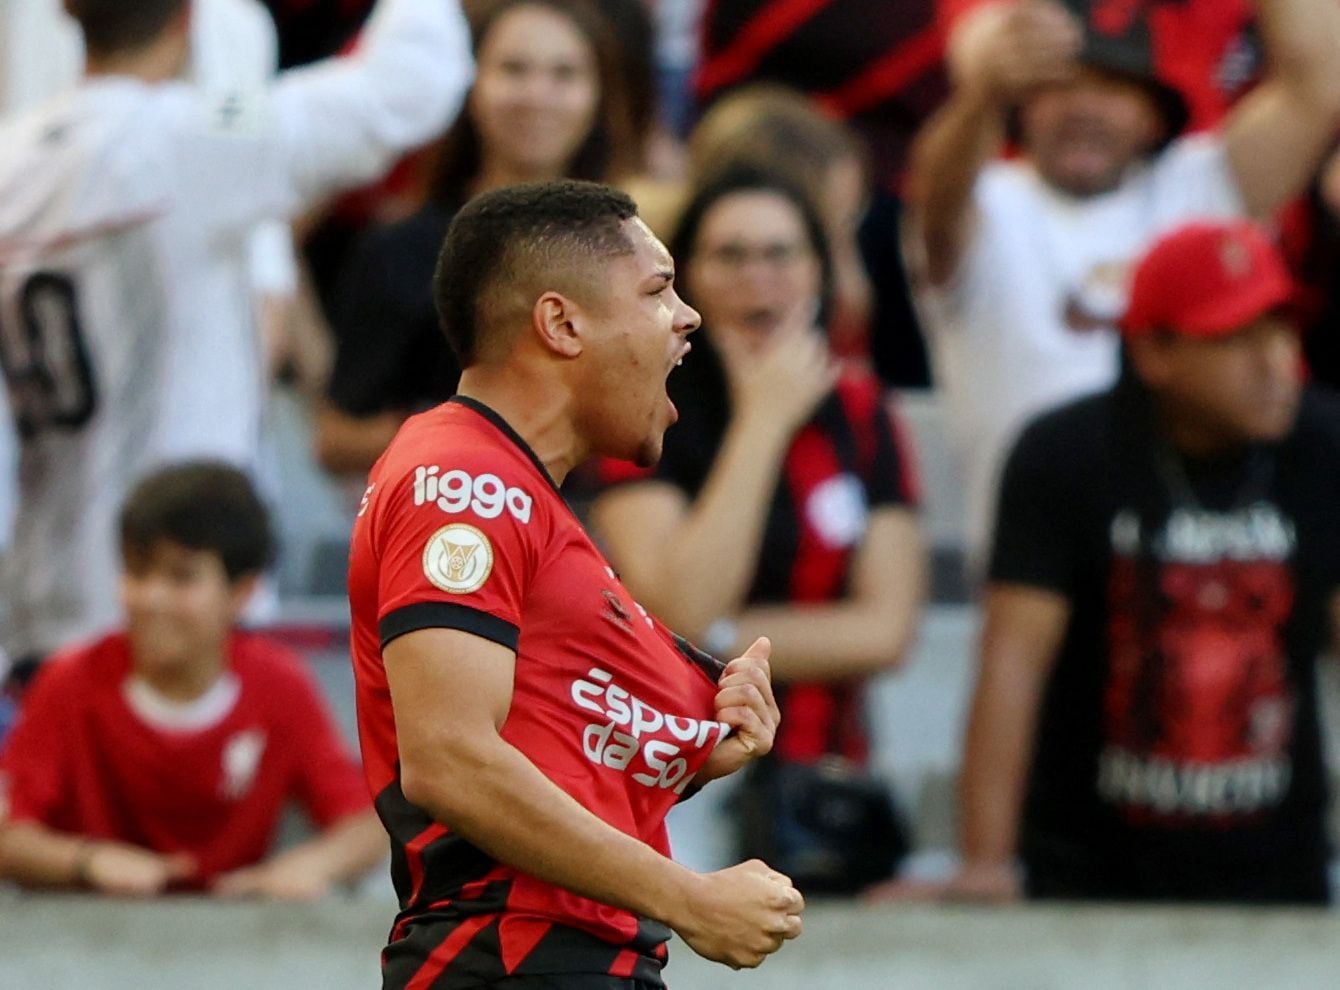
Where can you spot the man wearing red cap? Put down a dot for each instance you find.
(1023, 263)
(1166, 570)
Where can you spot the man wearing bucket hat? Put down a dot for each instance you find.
(1023, 264)
(1166, 570)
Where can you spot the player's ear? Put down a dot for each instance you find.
(552, 320)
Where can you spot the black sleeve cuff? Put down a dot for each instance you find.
(448, 615)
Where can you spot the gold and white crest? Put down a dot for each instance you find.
(458, 559)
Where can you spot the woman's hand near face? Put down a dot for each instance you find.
(781, 382)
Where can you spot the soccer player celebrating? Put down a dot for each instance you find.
(525, 725)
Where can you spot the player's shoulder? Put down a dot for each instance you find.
(456, 458)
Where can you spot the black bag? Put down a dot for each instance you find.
(829, 826)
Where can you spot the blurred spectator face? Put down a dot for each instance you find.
(537, 91)
(1082, 135)
(753, 268)
(179, 604)
(1243, 387)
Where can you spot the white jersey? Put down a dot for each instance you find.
(1028, 319)
(233, 46)
(124, 208)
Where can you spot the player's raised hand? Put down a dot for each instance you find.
(745, 701)
(123, 870)
(741, 915)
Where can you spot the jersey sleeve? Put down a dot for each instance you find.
(35, 759)
(1034, 545)
(329, 783)
(458, 543)
(266, 151)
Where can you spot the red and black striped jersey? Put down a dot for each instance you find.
(462, 528)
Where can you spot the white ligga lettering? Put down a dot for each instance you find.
(487, 496)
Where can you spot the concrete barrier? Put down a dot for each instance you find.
(50, 942)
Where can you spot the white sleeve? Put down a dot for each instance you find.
(248, 155)
(1192, 178)
(234, 44)
(41, 53)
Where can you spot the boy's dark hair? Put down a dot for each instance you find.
(111, 26)
(535, 234)
(203, 506)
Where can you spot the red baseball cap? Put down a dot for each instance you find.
(1207, 279)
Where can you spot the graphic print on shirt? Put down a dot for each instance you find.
(1198, 710)
(241, 759)
(1099, 299)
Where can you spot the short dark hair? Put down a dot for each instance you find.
(117, 26)
(532, 231)
(202, 505)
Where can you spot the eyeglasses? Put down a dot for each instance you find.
(776, 255)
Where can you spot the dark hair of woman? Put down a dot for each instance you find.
(608, 151)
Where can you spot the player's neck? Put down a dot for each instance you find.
(185, 681)
(540, 413)
(156, 62)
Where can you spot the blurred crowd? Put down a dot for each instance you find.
(1101, 237)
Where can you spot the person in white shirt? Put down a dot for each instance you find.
(124, 210)
(1022, 263)
(233, 45)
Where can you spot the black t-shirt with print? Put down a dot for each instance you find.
(1178, 751)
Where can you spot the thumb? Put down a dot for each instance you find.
(759, 649)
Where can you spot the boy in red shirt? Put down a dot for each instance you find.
(161, 757)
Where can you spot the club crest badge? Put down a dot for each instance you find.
(458, 559)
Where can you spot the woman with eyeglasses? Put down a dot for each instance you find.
(548, 102)
(785, 502)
